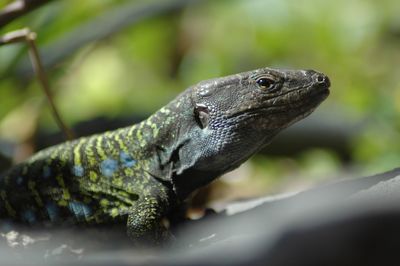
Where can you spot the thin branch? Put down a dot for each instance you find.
(25, 35)
(18, 8)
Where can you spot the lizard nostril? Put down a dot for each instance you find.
(322, 79)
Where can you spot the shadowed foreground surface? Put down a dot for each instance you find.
(351, 222)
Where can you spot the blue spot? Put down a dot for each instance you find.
(20, 180)
(46, 171)
(52, 211)
(78, 170)
(29, 216)
(108, 167)
(126, 160)
(80, 209)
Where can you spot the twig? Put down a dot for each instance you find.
(25, 35)
(17, 9)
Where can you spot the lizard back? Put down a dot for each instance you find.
(90, 180)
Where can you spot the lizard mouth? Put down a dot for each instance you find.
(319, 93)
(311, 98)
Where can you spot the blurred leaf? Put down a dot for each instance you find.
(143, 67)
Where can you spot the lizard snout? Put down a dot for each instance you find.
(319, 78)
(322, 79)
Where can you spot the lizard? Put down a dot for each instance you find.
(137, 174)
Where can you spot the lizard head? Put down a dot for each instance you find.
(235, 116)
(264, 99)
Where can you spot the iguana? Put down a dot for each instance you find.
(138, 174)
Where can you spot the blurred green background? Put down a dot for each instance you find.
(125, 59)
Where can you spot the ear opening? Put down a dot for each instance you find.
(202, 115)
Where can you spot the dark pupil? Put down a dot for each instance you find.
(265, 83)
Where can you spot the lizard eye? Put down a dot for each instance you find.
(266, 83)
(202, 115)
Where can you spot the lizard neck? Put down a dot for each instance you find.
(172, 149)
(162, 130)
(157, 140)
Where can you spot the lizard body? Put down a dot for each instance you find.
(139, 173)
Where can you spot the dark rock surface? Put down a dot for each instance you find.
(349, 222)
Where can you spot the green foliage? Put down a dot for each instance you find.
(136, 70)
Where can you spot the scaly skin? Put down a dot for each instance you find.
(138, 174)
